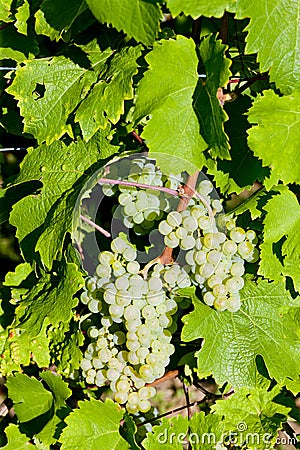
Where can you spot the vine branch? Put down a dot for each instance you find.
(94, 225)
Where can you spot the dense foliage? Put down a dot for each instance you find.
(181, 96)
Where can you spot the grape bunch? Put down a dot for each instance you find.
(135, 308)
(214, 258)
(133, 345)
(139, 208)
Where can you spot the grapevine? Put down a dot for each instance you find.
(149, 224)
(136, 306)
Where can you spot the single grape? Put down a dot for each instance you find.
(237, 234)
(245, 249)
(171, 240)
(229, 248)
(219, 290)
(124, 198)
(209, 298)
(121, 397)
(174, 219)
(187, 243)
(214, 257)
(205, 187)
(204, 223)
(164, 228)
(234, 284)
(94, 306)
(86, 364)
(237, 269)
(190, 223)
(144, 406)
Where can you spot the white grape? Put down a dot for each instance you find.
(237, 234)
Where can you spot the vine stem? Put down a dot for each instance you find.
(172, 411)
(140, 185)
(187, 399)
(94, 225)
(138, 138)
(189, 191)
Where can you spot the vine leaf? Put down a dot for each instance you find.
(197, 8)
(22, 348)
(30, 397)
(22, 15)
(52, 17)
(106, 99)
(17, 46)
(5, 12)
(42, 220)
(50, 301)
(256, 409)
(206, 430)
(276, 138)
(274, 33)
(165, 93)
(16, 439)
(96, 424)
(48, 90)
(58, 387)
(137, 18)
(244, 168)
(60, 392)
(282, 221)
(176, 427)
(207, 106)
(265, 325)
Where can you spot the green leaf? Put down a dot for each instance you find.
(106, 100)
(96, 424)
(265, 325)
(30, 397)
(282, 221)
(23, 348)
(43, 220)
(43, 27)
(137, 18)
(16, 439)
(5, 11)
(244, 168)
(20, 274)
(16, 46)
(61, 15)
(197, 8)
(58, 387)
(205, 431)
(170, 434)
(71, 354)
(276, 137)
(210, 113)
(51, 300)
(251, 205)
(222, 180)
(60, 392)
(274, 33)
(22, 15)
(255, 411)
(166, 94)
(49, 89)
(12, 194)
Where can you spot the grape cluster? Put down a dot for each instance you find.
(135, 308)
(215, 259)
(141, 208)
(133, 345)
